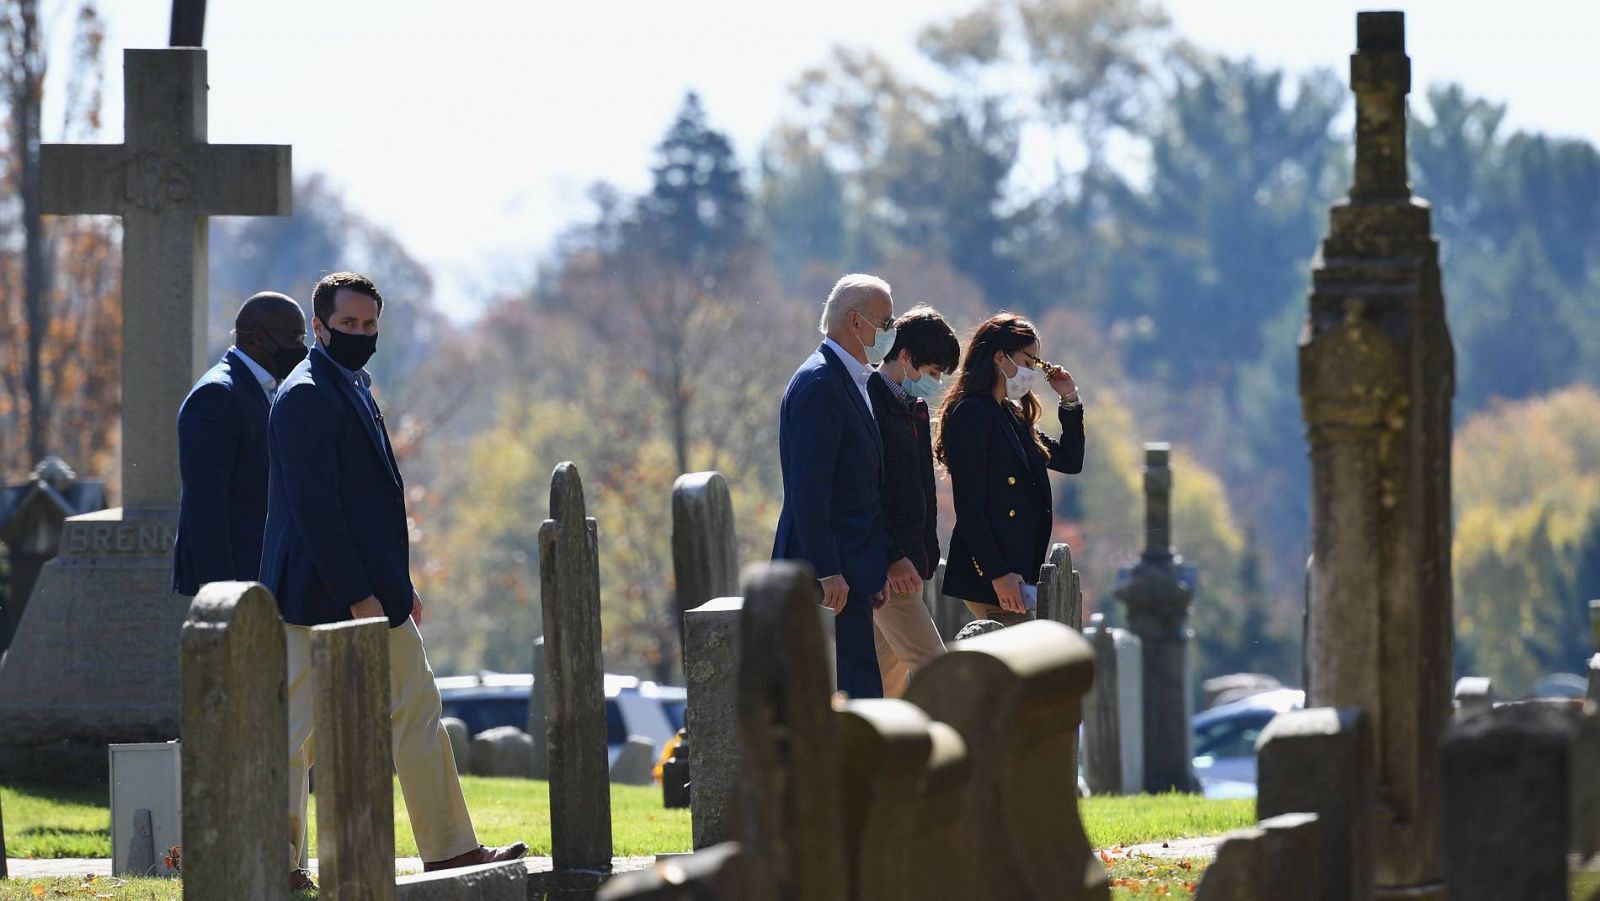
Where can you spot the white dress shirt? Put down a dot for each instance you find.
(858, 370)
(268, 383)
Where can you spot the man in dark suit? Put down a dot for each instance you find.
(222, 446)
(832, 458)
(337, 548)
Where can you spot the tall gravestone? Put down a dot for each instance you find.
(539, 713)
(1318, 761)
(711, 652)
(110, 589)
(1157, 592)
(31, 519)
(1060, 591)
(1377, 375)
(884, 748)
(705, 547)
(569, 590)
(1102, 723)
(235, 745)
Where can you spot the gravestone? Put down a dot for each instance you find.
(636, 763)
(1016, 698)
(949, 613)
(675, 775)
(1473, 693)
(355, 794)
(538, 712)
(1504, 786)
(502, 751)
(1377, 376)
(1594, 660)
(488, 882)
(711, 718)
(460, 742)
(110, 588)
(569, 583)
(31, 518)
(1060, 591)
(1319, 760)
(884, 747)
(945, 868)
(787, 814)
(1275, 860)
(721, 873)
(1585, 758)
(235, 748)
(1157, 592)
(705, 548)
(1130, 708)
(1102, 733)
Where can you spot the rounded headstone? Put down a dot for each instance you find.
(460, 742)
(502, 751)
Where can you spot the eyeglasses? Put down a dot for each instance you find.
(1051, 370)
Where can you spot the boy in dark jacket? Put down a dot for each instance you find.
(924, 349)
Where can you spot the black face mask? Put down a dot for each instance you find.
(285, 359)
(350, 351)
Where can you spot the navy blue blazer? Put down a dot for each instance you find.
(832, 459)
(222, 457)
(336, 514)
(1001, 485)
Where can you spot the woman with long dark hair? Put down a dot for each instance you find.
(998, 461)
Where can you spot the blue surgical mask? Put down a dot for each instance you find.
(923, 386)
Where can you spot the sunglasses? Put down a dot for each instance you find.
(1051, 370)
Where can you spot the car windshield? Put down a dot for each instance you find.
(1233, 737)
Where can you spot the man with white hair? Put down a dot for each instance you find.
(832, 458)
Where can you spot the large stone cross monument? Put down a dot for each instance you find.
(95, 658)
(1377, 375)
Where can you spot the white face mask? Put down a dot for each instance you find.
(883, 342)
(1021, 383)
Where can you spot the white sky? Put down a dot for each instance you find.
(473, 128)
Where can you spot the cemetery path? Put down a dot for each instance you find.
(101, 866)
(1205, 846)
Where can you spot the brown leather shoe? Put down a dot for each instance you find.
(479, 855)
(300, 881)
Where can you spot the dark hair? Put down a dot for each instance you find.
(924, 334)
(1005, 332)
(328, 288)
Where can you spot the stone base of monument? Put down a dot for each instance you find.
(95, 658)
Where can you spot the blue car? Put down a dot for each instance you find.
(1225, 741)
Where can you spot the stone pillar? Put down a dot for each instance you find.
(32, 516)
(1016, 698)
(883, 752)
(1377, 376)
(1319, 761)
(1505, 788)
(1102, 735)
(355, 763)
(569, 590)
(235, 748)
(705, 547)
(538, 712)
(788, 815)
(1060, 592)
(711, 719)
(945, 869)
(1157, 592)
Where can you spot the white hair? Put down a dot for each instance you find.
(850, 293)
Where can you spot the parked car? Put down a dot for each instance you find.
(633, 706)
(1225, 741)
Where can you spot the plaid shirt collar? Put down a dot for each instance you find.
(894, 388)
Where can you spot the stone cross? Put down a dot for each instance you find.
(1376, 383)
(1504, 808)
(705, 549)
(569, 590)
(1319, 760)
(235, 748)
(1016, 698)
(1157, 592)
(710, 653)
(163, 180)
(1060, 591)
(884, 746)
(788, 810)
(355, 763)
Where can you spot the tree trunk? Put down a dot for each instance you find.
(27, 90)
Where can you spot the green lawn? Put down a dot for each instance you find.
(55, 821)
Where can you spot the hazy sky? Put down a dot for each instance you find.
(473, 133)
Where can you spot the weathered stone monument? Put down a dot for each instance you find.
(1157, 592)
(31, 518)
(1377, 376)
(705, 547)
(711, 652)
(110, 589)
(1274, 860)
(1102, 722)
(1319, 760)
(235, 746)
(1060, 591)
(355, 797)
(884, 748)
(569, 583)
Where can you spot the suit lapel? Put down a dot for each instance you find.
(240, 370)
(854, 393)
(1009, 429)
(331, 370)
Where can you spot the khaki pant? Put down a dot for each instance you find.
(906, 639)
(994, 612)
(422, 755)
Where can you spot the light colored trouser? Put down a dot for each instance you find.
(906, 639)
(422, 755)
(994, 612)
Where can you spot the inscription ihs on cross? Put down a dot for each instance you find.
(164, 180)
